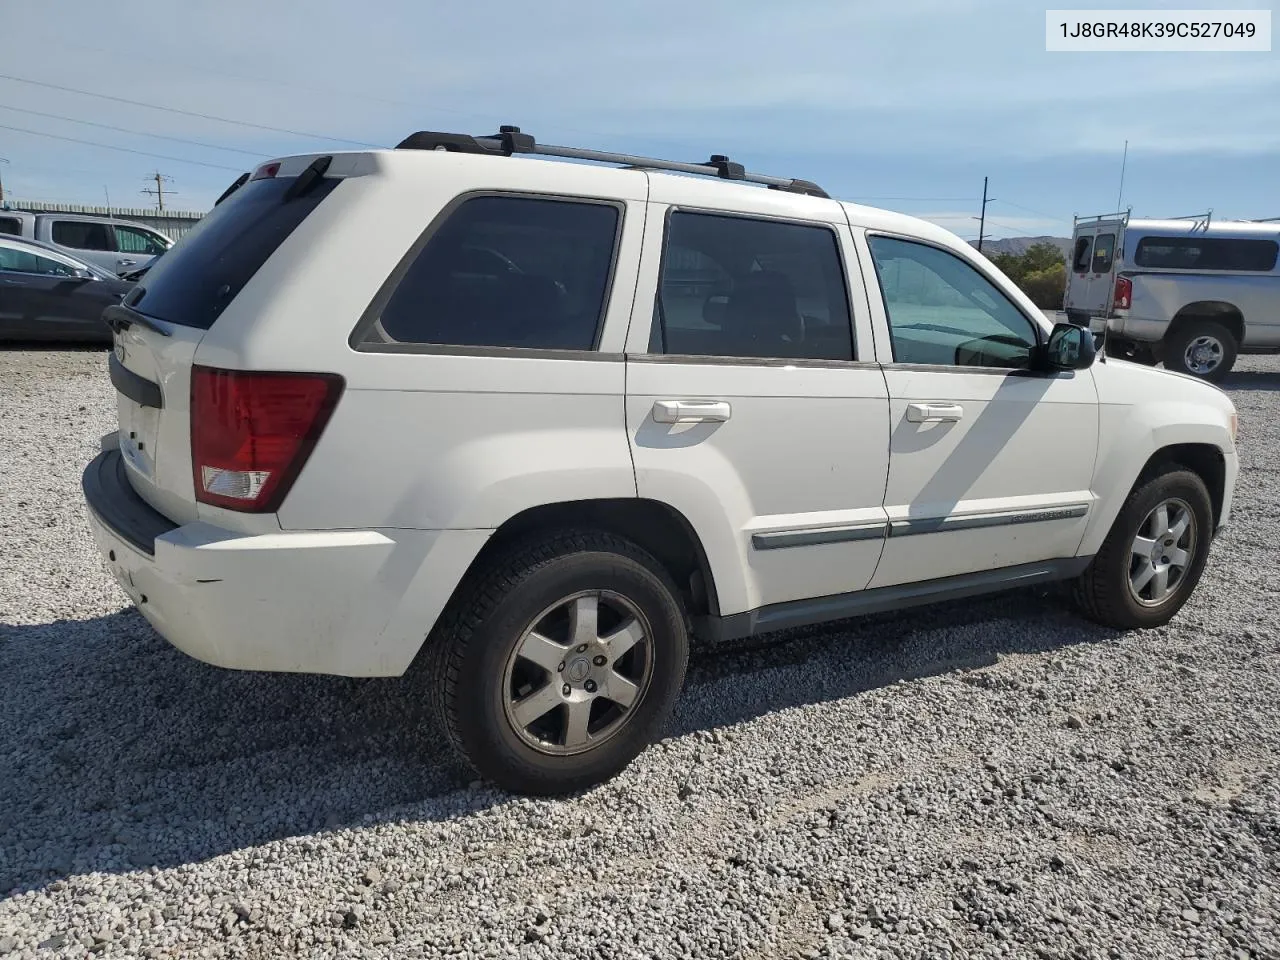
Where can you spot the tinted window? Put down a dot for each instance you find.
(81, 235)
(196, 278)
(133, 240)
(1080, 259)
(738, 287)
(24, 261)
(1104, 249)
(507, 272)
(1205, 253)
(10, 226)
(943, 311)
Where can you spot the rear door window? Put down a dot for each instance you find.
(24, 261)
(10, 226)
(504, 271)
(1084, 251)
(81, 235)
(199, 276)
(740, 287)
(1104, 252)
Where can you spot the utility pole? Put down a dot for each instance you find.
(2, 160)
(158, 192)
(982, 220)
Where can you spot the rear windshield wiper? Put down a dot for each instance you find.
(308, 178)
(240, 182)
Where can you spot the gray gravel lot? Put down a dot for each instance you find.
(993, 778)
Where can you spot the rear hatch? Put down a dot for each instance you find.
(158, 328)
(1094, 258)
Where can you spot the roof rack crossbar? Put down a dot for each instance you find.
(510, 140)
(1122, 214)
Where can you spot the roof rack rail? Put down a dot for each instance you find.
(1122, 214)
(509, 140)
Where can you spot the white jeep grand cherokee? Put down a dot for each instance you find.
(538, 423)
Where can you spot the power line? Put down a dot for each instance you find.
(1038, 213)
(187, 113)
(921, 199)
(136, 133)
(1007, 226)
(334, 91)
(107, 146)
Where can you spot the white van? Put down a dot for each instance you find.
(1192, 293)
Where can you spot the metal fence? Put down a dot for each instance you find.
(172, 223)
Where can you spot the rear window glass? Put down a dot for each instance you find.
(1104, 249)
(507, 272)
(1080, 259)
(10, 226)
(199, 276)
(1206, 253)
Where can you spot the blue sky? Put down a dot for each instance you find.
(905, 99)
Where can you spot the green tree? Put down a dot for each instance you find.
(1040, 272)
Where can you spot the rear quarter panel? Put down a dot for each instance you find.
(433, 441)
(1158, 297)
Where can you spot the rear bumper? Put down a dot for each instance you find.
(346, 602)
(1135, 328)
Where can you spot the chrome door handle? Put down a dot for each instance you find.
(691, 411)
(126, 263)
(934, 412)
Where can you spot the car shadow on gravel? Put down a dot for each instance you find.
(837, 660)
(121, 753)
(1251, 381)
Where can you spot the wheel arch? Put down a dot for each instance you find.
(657, 527)
(1219, 311)
(1145, 439)
(1203, 459)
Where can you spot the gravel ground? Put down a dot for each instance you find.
(983, 779)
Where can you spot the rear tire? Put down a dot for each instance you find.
(561, 662)
(1201, 348)
(1136, 580)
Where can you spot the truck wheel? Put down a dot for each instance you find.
(1201, 348)
(561, 663)
(1152, 559)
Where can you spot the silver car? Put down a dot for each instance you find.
(119, 246)
(1191, 293)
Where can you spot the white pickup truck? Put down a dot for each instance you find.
(1191, 293)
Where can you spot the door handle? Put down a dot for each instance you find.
(691, 411)
(13, 283)
(934, 412)
(126, 263)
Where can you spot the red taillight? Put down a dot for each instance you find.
(1124, 293)
(266, 171)
(251, 433)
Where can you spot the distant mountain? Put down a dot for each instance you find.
(1019, 245)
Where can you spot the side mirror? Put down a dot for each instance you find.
(1070, 347)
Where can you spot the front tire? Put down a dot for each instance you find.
(561, 662)
(1201, 348)
(1154, 555)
